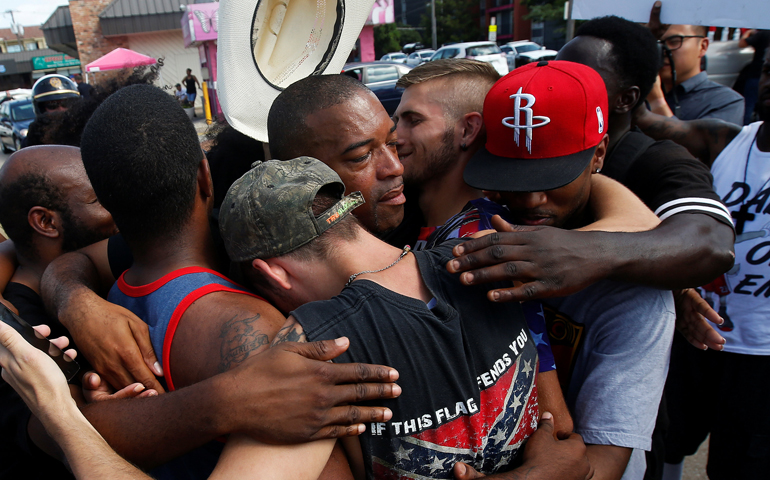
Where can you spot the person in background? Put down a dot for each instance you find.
(735, 380)
(693, 96)
(748, 79)
(84, 88)
(180, 93)
(190, 81)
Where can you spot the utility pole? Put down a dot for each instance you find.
(433, 22)
(17, 29)
(570, 20)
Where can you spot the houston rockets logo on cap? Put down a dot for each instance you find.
(559, 108)
(527, 109)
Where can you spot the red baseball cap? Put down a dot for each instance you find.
(543, 123)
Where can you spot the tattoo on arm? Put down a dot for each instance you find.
(717, 135)
(239, 338)
(290, 333)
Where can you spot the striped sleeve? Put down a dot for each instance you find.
(708, 206)
(670, 181)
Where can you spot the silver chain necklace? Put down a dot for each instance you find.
(407, 249)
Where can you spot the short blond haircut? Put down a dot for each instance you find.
(464, 83)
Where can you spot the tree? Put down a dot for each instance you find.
(456, 21)
(386, 39)
(543, 10)
(392, 36)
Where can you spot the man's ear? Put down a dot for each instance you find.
(471, 126)
(704, 46)
(274, 272)
(597, 162)
(205, 183)
(44, 221)
(624, 102)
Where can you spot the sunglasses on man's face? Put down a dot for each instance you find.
(675, 42)
(52, 105)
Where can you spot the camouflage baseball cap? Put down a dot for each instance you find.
(268, 211)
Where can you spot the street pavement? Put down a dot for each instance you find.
(695, 465)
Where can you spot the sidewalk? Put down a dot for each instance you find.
(200, 121)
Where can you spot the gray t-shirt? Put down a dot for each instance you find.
(613, 354)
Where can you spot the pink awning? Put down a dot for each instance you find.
(119, 58)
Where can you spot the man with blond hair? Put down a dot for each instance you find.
(439, 129)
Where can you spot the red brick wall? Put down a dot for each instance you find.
(88, 32)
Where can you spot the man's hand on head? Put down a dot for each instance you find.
(544, 261)
(291, 393)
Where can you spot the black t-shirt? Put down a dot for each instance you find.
(85, 90)
(467, 369)
(665, 177)
(190, 85)
(19, 457)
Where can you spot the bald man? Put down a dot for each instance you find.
(48, 207)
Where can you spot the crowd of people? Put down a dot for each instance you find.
(516, 277)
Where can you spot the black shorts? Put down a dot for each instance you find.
(726, 395)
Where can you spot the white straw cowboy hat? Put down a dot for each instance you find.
(266, 45)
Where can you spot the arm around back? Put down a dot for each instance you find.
(114, 340)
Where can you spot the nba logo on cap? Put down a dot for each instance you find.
(527, 109)
(559, 108)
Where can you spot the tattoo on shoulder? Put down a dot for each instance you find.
(239, 338)
(290, 333)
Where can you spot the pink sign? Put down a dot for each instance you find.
(200, 23)
(382, 12)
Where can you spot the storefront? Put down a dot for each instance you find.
(199, 28)
(59, 63)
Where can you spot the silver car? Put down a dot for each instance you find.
(396, 57)
(416, 58)
(483, 51)
(725, 60)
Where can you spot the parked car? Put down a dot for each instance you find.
(511, 49)
(416, 58)
(381, 78)
(16, 94)
(725, 60)
(397, 57)
(15, 117)
(412, 47)
(534, 56)
(483, 51)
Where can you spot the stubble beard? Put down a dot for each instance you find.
(437, 162)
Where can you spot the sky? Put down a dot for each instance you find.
(27, 12)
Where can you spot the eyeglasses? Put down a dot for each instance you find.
(674, 42)
(55, 104)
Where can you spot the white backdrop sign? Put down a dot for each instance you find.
(719, 13)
